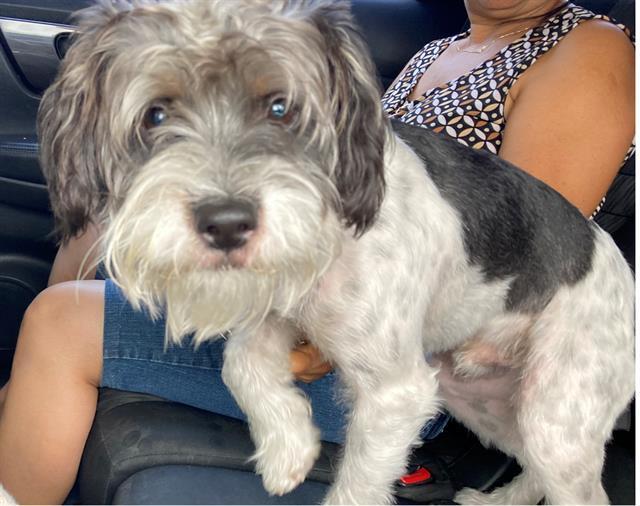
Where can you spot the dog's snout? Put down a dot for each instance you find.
(227, 224)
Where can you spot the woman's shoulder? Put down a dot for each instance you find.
(574, 29)
(573, 15)
(597, 44)
(587, 31)
(594, 49)
(599, 31)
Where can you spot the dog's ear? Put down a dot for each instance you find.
(361, 124)
(71, 127)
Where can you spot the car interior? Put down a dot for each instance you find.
(145, 450)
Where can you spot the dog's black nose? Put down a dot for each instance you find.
(225, 224)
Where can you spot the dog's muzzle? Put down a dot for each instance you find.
(225, 224)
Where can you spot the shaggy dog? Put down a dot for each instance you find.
(249, 184)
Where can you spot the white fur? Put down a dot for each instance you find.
(5, 497)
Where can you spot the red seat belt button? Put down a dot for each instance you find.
(419, 476)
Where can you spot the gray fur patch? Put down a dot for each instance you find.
(514, 225)
(479, 406)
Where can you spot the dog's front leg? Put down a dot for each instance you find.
(257, 372)
(388, 414)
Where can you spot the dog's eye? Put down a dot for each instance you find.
(279, 110)
(155, 116)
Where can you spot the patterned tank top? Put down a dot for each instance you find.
(470, 108)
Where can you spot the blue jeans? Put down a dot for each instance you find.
(135, 359)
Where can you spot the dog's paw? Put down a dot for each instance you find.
(284, 458)
(471, 496)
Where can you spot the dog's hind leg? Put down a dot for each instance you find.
(579, 378)
(566, 460)
(257, 371)
(386, 418)
(567, 415)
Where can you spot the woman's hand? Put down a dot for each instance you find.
(307, 364)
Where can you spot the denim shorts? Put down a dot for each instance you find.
(136, 360)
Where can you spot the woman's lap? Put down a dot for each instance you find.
(135, 359)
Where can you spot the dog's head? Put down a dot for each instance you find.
(237, 141)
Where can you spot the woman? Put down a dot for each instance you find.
(541, 83)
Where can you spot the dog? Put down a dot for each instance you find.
(249, 184)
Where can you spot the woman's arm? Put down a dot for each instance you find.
(79, 252)
(571, 117)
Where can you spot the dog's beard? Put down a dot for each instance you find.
(160, 263)
(210, 303)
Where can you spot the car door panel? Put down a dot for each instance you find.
(28, 62)
(35, 49)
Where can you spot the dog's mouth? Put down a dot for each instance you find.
(211, 259)
(237, 259)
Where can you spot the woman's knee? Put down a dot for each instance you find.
(64, 324)
(66, 305)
